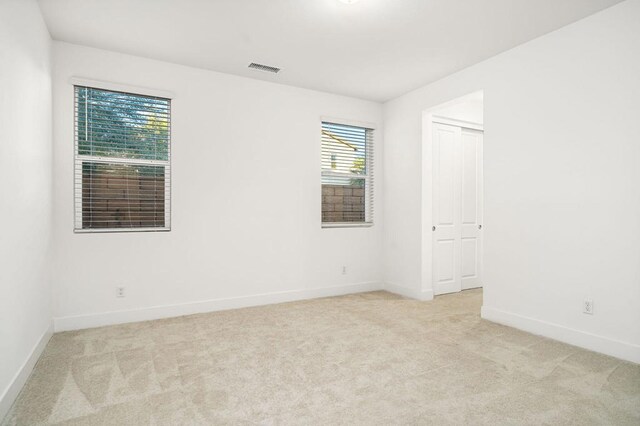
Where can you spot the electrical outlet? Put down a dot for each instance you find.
(588, 306)
(344, 270)
(119, 291)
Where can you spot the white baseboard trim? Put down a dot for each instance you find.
(166, 311)
(10, 394)
(593, 342)
(408, 292)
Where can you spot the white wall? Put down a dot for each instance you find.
(562, 177)
(25, 185)
(469, 108)
(245, 200)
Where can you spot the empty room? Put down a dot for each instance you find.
(320, 212)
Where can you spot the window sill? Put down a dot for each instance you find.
(111, 230)
(347, 225)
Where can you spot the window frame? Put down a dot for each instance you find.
(79, 159)
(369, 188)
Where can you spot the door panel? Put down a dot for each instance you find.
(469, 178)
(446, 256)
(446, 208)
(471, 154)
(469, 258)
(446, 177)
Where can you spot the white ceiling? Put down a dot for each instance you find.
(374, 49)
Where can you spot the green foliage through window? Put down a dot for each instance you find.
(122, 175)
(122, 125)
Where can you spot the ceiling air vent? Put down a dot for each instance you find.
(261, 67)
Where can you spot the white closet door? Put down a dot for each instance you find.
(457, 208)
(471, 229)
(446, 208)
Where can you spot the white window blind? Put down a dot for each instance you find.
(347, 174)
(122, 174)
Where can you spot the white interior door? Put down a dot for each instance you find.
(446, 208)
(457, 208)
(471, 198)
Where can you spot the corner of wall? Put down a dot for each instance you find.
(623, 350)
(417, 294)
(20, 379)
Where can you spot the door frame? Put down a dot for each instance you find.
(458, 123)
(426, 258)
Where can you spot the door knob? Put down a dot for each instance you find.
(433, 228)
(479, 226)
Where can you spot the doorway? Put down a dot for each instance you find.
(456, 195)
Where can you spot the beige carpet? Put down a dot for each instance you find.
(373, 358)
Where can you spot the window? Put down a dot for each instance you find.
(122, 161)
(347, 175)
